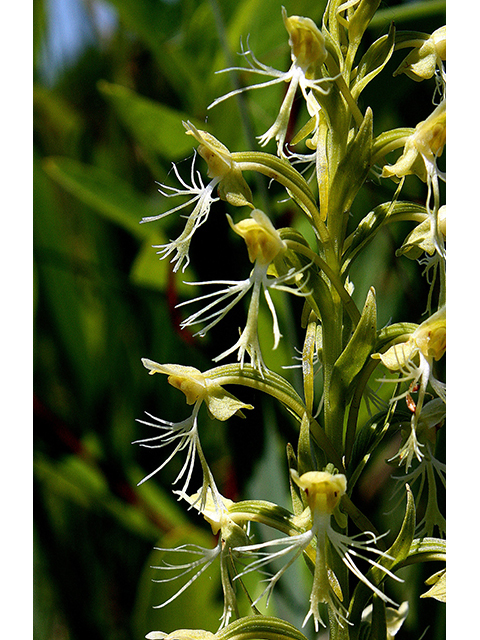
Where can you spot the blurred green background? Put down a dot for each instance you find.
(112, 83)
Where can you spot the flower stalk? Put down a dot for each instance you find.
(342, 347)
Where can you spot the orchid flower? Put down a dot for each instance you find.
(215, 510)
(198, 389)
(421, 150)
(323, 491)
(224, 173)
(414, 359)
(308, 53)
(264, 244)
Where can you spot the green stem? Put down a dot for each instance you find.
(347, 300)
(344, 90)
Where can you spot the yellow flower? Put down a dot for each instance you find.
(414, 359)
(196, 386)
(232, 186)
(422, 147)
(225, 174)
(419, 157)
(198, 389)
(323, 491)
(308, 53)
(424, 60)
(262, 239)
(264, 244)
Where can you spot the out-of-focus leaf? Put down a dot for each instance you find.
(77, 481)
(57, 281)
(56, 121)
(408, 11)
(156, 127)
(112, 197)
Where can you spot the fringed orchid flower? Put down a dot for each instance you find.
(308, 53)
(198, 389)
(323, 492)
(414, 360)
(264, 244)
(224, 173)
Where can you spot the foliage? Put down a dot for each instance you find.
(107, 129)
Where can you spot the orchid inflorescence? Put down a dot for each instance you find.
(342, 347)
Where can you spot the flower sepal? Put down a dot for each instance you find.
(196, 385)
(232, 186)
(425, 58)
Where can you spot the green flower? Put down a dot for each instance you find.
(323, 492)
(308, 53)
(264, 245)
(198, 389)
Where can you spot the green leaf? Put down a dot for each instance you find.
(57, 281)
(351, 173)
(369, 226)
(374, 60)
(107, 194)
(81, 482)
(361, 18)
(156, 127)
(358, 349)
(408, 12)
(425, 550)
